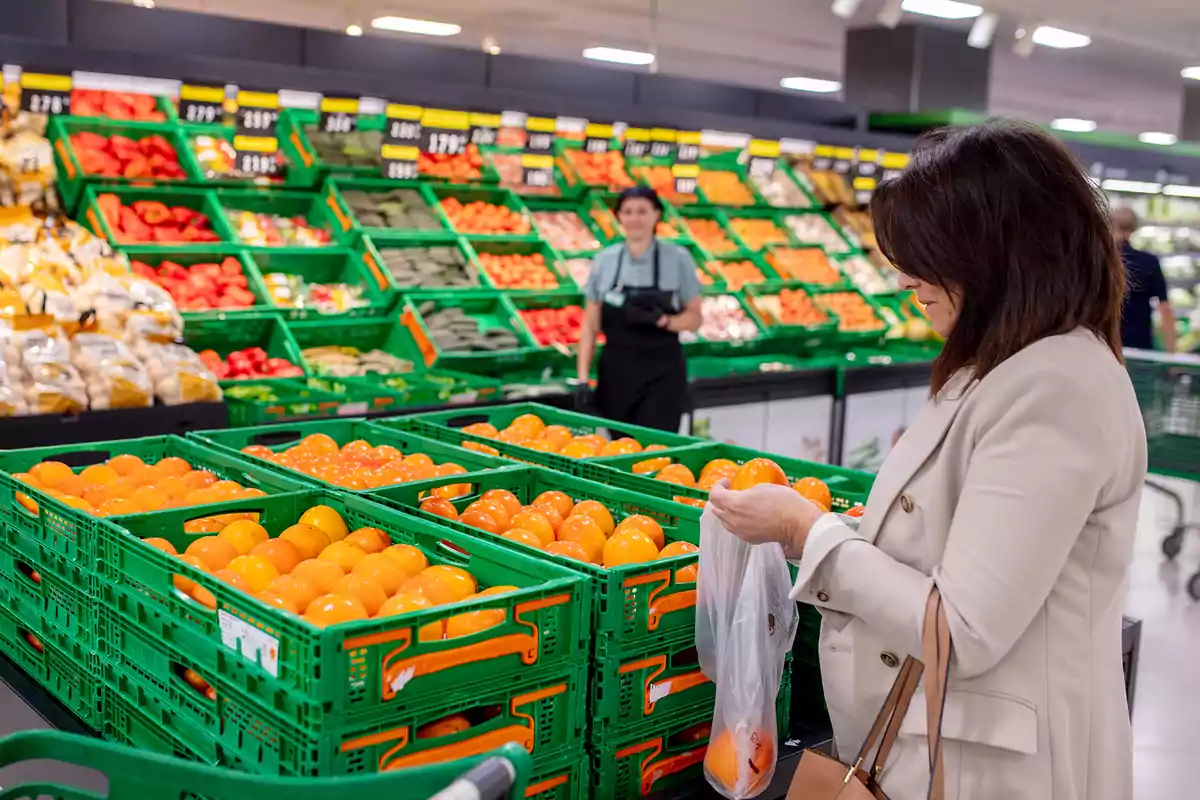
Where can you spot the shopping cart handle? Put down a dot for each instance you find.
(491, 779)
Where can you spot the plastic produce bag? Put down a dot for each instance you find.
(745, 624)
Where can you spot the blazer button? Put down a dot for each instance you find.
(906, 503)
(823, 596)
(889, 660)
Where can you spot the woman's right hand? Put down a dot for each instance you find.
(765, 513)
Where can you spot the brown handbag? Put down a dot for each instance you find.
(822, 777)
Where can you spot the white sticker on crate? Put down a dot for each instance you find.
(659, 690)
(254, 645)
(401, 680)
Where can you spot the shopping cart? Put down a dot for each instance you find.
(1168, 392)
(138, 775)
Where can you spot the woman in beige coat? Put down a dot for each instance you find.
(1015, 491)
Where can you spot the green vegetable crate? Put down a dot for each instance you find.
(580, 209)
(732, 215)
(494, 316)
(363, 335)
(306, 206)
(155, 256)
(353, 267)
(800, 338)
(848, 487)
(70, 533)
(562, 776)
(262, 402)
(49, 606)
(148, 770)
(495, 196)
(199, 200)
(449, 426)
(324, 679)
(64, 667)
(72, 176)
(633, 602)
(349, 228)
(694, 216)
(289, 176)
(241, 330)
(278, 438)
(484, 246)
(388, 240)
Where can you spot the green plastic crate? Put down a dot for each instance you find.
(535, 301)
(154, 256)
(48, 605)
(480, 245)
(239, 331)
(290, 399)
(323, 679)
(856, 338)
(71, 533)
(580, 208)
(495, 196)
(377, 243)
(328, 265)
(716, 164)
(71, 177)
(347, 226)
(776, 218)
(786, 173)
(801, 338)
(492, 310)
(149, 770)
(280, 202)
(843, 244)
(363, 334)
(692, 214)
(282, 436)
(713, 264)
(560, 188)
(288, 177)
(695, 345)
(562, 776)
(438, 387)
(196, 199)
(633, 602)
(570, 173)
(63, 666)
(848, 487)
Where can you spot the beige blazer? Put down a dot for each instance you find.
(1018, 496)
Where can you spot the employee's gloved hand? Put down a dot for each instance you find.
(649, 317)
(582, 392)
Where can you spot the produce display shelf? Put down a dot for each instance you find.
(490, 311)
(288, 177)
(580, 208)
(733, 213)
(561, 188)
(288, 204)
(618, 180)
(237, 331)
(260, 402)
(363, 335)
(691, 215)
(348, 228)
(495, 196)
(482, 246)
(156, 255)
(697, 345)
(329, 265)
(800, 338)
(198, 200)
(323, 680)
(382, 240)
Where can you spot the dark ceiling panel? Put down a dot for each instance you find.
(665, 92)
(806, 108)
(112, 26)
(397, 58)
(35, 19)
(560, 78)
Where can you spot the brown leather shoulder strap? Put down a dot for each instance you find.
(935, 643)
(910, 673)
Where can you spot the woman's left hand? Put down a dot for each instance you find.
(765, 513)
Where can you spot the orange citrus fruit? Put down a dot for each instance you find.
(814, 489)
(125, 463)
(148, 498)
(492, 509)
(309, 541)
(535, 522)
(530, 424)
(328, 520)
(621, 447)
(173, 465)
(279, 601)
(371, 540)
(720, 466)
(216, 553)
(334, 609)
(550, 513)
(598, 512)
(99, 473)
(51, 473)
(480, 519)
(432, 587)
(569, 550)
(485, 429)
(232, 578)
(648, 526)
(320, 443)
(497, 590)
(439, 506)
(651, 465)
(281, 553)
(257, 571)
(162, 544)
(28, 480)
(184, 583)
(756, 471)
(294, 588)
(244, 534)
(480, 448)
(368, 592)
(687, 574)
(732, 757)
(505, 498)
(629, 547)
(679, 548)
(383, 571)
(676, 473)
(198, 479)
(473, 622)
(460, 582)
(561, 503)
(404, 602)
(579, 450)
(344, 554)
(446, 726)
(410, 558)
(586, 533)
(321, 575)
(116, 506)
(524, 537)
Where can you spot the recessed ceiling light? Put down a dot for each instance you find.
(144, 3)
(801, 84)
(354, 30)
(1191, 72)
(945, 9)
(1049, 36)
(1139, 187)
(422, 26)
(1074, 125)
(1177, 190)
(616, 55)
(845, 8)
(1156, 137)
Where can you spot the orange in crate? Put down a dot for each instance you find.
(724, 188)
(484, 218)
(790, 307)
(518, 271)
(737, 273)
(852, 311)
(758, 233)
(709, 234)
(807, 264)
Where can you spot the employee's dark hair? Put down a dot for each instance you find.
(1002, 214)
(644, 192)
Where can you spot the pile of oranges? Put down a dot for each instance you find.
(127, 485)
(484, 218)
(321, 571)
(528, 430)
(555, 523)
(355, 465)
(743, 476)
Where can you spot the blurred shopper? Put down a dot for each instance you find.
(641, 294)
(1015, 491)
(1147, 286)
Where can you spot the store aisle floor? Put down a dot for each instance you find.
(1166, 715)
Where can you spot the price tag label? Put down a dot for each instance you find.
(637, 142)
(45, 92)
(597, 138)
(485, 129)
(822, 158)
(893, 164)
(401, 142)
(662, 143)
(764, 156)
(339, 114)
(537, 162)
(255, 143)
(444, 132)
(865, 175)
(685, 170)
(201, 105)
(843, 160)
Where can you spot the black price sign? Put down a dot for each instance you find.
(201, 105)
(537, 162)
(597, 138)
(637, 142)
(843, 160)
(822, 158)
(250, 162)
(865, 175)
(685, 169)
(763, 157)
(444, 132)
(893, 164)
(662, 143)
(254, 142)
(339, 114)
(45, 93)
(485, 129)
(401, 142)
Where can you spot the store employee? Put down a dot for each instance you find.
(641, 294)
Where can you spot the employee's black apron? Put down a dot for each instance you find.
(642, 371)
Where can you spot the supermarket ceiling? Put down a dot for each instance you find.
(1127, 80)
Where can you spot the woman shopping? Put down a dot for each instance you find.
(1015, 492)
(641, 294)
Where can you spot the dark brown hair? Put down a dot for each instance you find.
(1005, 217)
